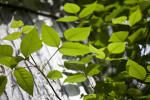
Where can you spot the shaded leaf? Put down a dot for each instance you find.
(30, 43)
(75, 78)
(24, 79)
(115, 48)
(74, 65)
(92, 69)
(6, 51)
(71, 8)
(87, 59)
(73, 49)
(16, 24)
(50, 36)
(55, 74)
(148, 68)
(133, 91)
(13, 36)
(77, 34)
(135, 70)
(119, 36)
(3, 82)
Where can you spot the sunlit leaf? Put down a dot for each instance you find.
(77, 34)
(115, 48)
(90, 97)
(110, 59)
(30, 43)
(50, 36)
(88, 10)
(68, 19)
(119, 20)
(27, 29)
(147, 79)
(148, 68)
(135, 17)
(135, 70)
(13, 36)
(92, 69)
(55, 74)
(87, 59)
(3, 82)
(24, 79)
(73, 49)
(16, 24)
(75, 78)
(71, 8)
(6, 51)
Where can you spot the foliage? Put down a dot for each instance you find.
(119, 50)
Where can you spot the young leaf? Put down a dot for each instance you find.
(135, 17)
(16, 24)
(119, 20)
(31, 43)
(99, 52)
(115, 48)
(148, 68)
(50, 36)
(55, 74)
(92, 69)
(135, 70)
(3, 82)
(75, 78)
(77, 34)
(24, 79)
(119, 36)
(147, 79)
(74, 65)
(73, 49)
(5, 51)
(13, 36)
(27, 29)
(68, 19)
(71, 8)
(88, 10)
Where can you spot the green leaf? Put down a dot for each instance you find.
(74, 65)
(73, 49)
(99, 8)
(31, 43)
(27, 29)
(71, 8)
(55, 74)
(3, 82)
(135, 17)
(13, 36)
(11, 62)
(107, 58)
(147, 79)
(50, 36)
(88, 10)
(24, 79)
(119, 36)
(133, 91)
(6, 51)
(138, 35)
(99, 53)
(92, 69)
(96, 21)
(119, 20)
(16, 24)
(87, 59)
(135, 70)
(124, 75)
(68, 19)
(90, 97)
(77, 34)
(75, 78)
(148, 68)
(115, 48)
